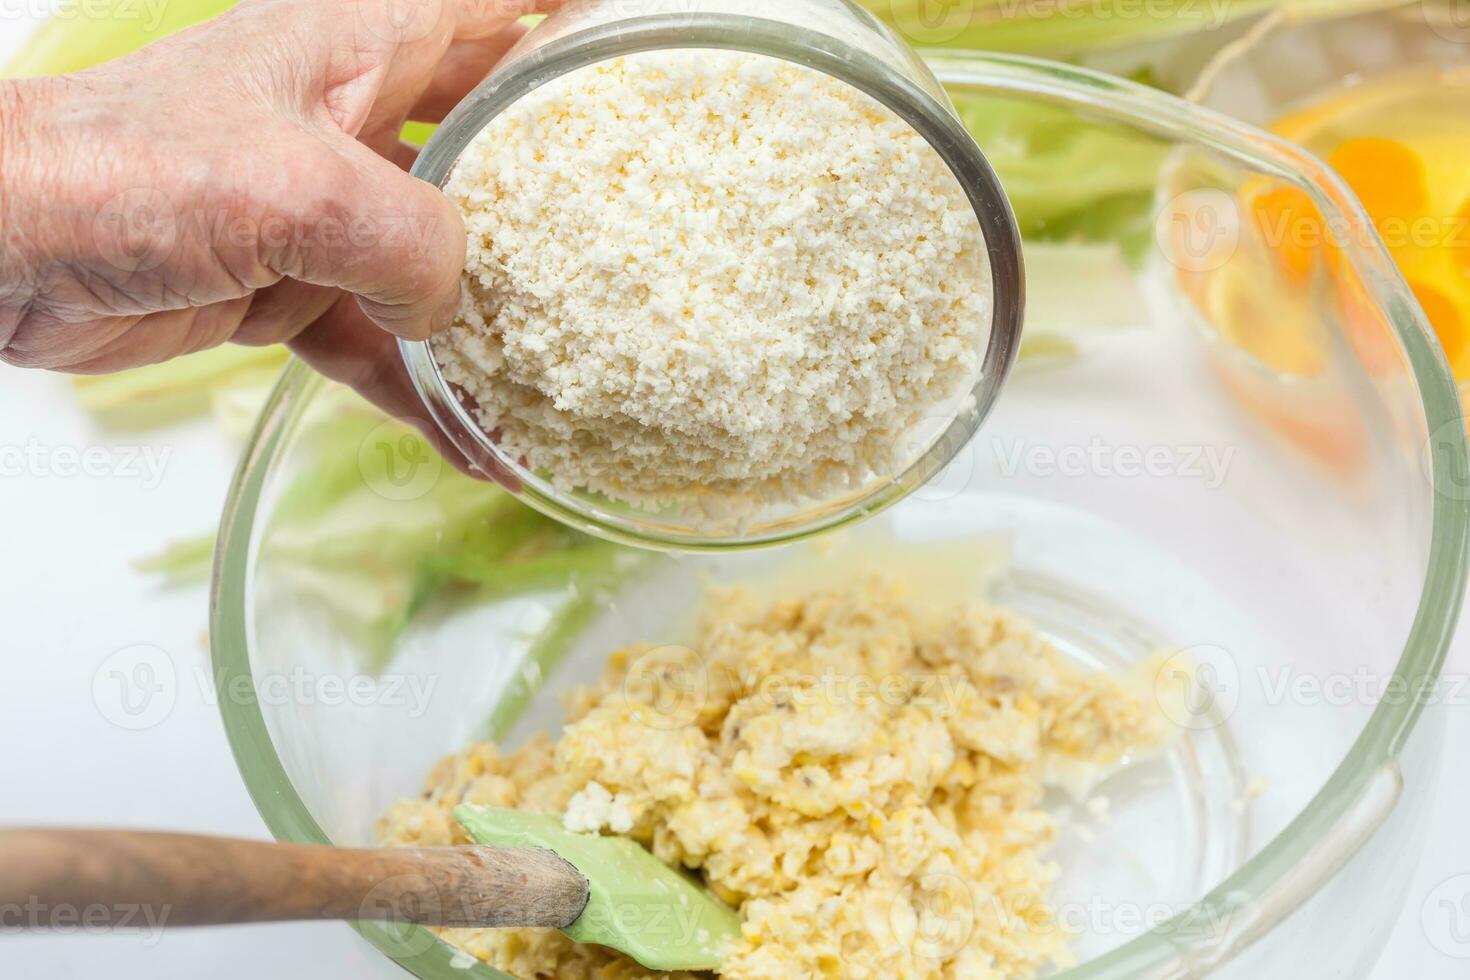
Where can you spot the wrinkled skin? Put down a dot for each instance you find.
(243, 181)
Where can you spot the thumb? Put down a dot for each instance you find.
(393, 240)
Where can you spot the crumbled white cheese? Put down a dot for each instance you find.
(708, 273)
(594, 809)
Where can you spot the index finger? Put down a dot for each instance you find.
(355, 221)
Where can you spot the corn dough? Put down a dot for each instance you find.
(858, 774)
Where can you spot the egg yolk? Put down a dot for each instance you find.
(1387, 176)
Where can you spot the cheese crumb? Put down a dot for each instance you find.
(708, 274)
(593, 809)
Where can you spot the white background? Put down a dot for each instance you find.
(70, 600)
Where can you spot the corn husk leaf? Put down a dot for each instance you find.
(164, 393)
(83, 33)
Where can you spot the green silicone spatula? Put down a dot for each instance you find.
(526, 871)
(636, 904)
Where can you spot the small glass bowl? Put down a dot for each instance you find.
(1282, 372)
(840, 40)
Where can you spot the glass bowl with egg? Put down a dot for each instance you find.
(1380, 97)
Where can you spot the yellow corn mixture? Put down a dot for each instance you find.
(858, 774)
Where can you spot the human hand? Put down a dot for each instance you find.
(242, 181)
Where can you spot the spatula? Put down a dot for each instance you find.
(603, 890)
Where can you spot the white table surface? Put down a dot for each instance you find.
(70, 600)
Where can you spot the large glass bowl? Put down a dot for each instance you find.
(1136, 490)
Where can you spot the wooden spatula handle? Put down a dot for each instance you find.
(186, 880)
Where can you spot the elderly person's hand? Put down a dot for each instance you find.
(242, 181)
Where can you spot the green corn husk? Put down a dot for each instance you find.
(377, 562)
(373, 564)
(156, 395)
(1067, 28)
(75, 38)
(1053, 27)
(182, 562)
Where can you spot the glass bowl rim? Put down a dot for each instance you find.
(1270, 871)
(931, 117)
